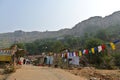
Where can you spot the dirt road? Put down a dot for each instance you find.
(28, 72)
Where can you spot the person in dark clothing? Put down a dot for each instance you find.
(24, 61)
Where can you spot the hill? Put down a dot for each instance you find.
(92, 25)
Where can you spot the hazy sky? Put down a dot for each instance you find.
(51, 15)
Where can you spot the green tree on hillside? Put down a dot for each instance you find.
(96, 58)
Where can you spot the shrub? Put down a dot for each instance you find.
(117, 59)
(108, 62)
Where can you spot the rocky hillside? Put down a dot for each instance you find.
(91, 25)
(96, 23)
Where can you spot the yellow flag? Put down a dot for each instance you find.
(93, 51)
(112, 45)
(80, 53)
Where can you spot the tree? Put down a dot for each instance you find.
(20, 53)
(102, 34)
(31, 48)
(96, 58)
(57, 46)
(93, 42)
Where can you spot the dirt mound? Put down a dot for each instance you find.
(94, 74)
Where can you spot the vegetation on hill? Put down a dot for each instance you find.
(108, 59)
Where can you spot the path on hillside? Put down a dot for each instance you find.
(28, 72)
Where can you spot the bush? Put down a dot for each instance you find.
(117, 59)
(108, 62)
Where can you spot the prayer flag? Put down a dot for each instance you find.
(99, 48)
(87, 51)
(84, 51)
(74, 54)
(116, 41)
(80, 53)
(112, 45)
(93, 50)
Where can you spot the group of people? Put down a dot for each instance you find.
(23, 61)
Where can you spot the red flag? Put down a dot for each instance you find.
(87, 51)
(76, 52)
(103, 47)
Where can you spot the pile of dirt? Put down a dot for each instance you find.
(95, 74)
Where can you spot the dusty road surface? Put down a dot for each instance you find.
(28, 72)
